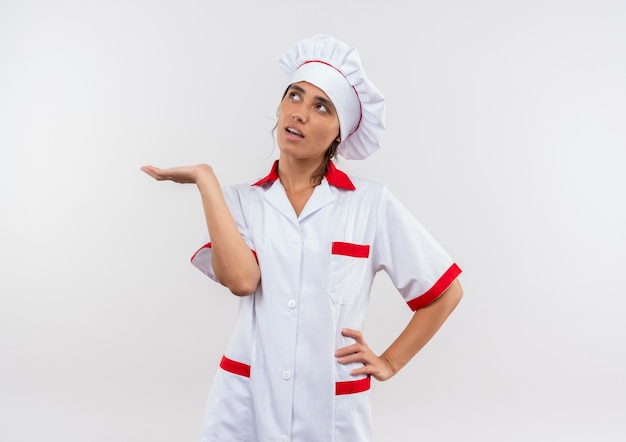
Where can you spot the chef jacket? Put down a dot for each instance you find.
(279, 379)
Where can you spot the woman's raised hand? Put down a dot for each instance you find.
(183, 174)
(235, 266)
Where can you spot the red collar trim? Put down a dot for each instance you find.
(338, 178)
(334, 176)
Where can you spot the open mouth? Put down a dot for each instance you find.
(294, 132)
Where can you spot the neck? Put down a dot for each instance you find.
(295, 175)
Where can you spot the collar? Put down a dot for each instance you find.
(334, 176)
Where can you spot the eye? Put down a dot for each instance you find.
(322, 108)
(294, 96)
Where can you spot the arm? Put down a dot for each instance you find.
(233, 262)
(420, 329)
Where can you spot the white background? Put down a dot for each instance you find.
(506, 138)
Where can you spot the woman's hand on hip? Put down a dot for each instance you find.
(373, 365)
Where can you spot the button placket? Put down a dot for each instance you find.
(293, 237)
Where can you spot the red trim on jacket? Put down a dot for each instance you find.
(235, 367)
(351, 249)
(208, 246)
(342, 387)
(334, 176)
(271, 177)
(351, 387)
(338, 178)
(437, 289)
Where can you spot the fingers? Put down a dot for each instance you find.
(361, 356)
(366, 369)
(181, 175)
(154, 172)
(372, 365)
(359, 352)
(355, 334)
(358, 347)
(348, 350)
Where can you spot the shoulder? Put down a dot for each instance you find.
(241, 192)
(367, 188)
(379, 198)
(365, 183)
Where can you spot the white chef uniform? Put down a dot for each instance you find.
(279, 379)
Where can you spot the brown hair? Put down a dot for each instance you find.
(322, 170)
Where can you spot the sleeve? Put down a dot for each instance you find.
(202, 259)
(418, 266)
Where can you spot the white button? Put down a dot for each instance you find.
(284, 439)
(291, 303)
(296, 238)
(286, 375)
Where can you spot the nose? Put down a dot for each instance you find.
(299, 115)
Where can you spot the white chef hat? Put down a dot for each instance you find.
(335, 67)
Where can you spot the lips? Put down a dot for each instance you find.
(294, 132)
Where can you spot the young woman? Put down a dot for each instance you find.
(300, 248)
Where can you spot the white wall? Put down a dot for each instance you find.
(506, 138)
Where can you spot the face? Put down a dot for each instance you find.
(307, 122)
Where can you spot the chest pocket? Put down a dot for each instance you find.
(347, 272)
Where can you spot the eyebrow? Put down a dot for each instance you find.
(325, 101)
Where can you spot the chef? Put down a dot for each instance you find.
(301, 247)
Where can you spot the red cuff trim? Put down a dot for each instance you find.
(349, 249)
(351, 387)
(235, 367)
(436, 290)
(206, 246)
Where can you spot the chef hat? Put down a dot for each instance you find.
(335, 67)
